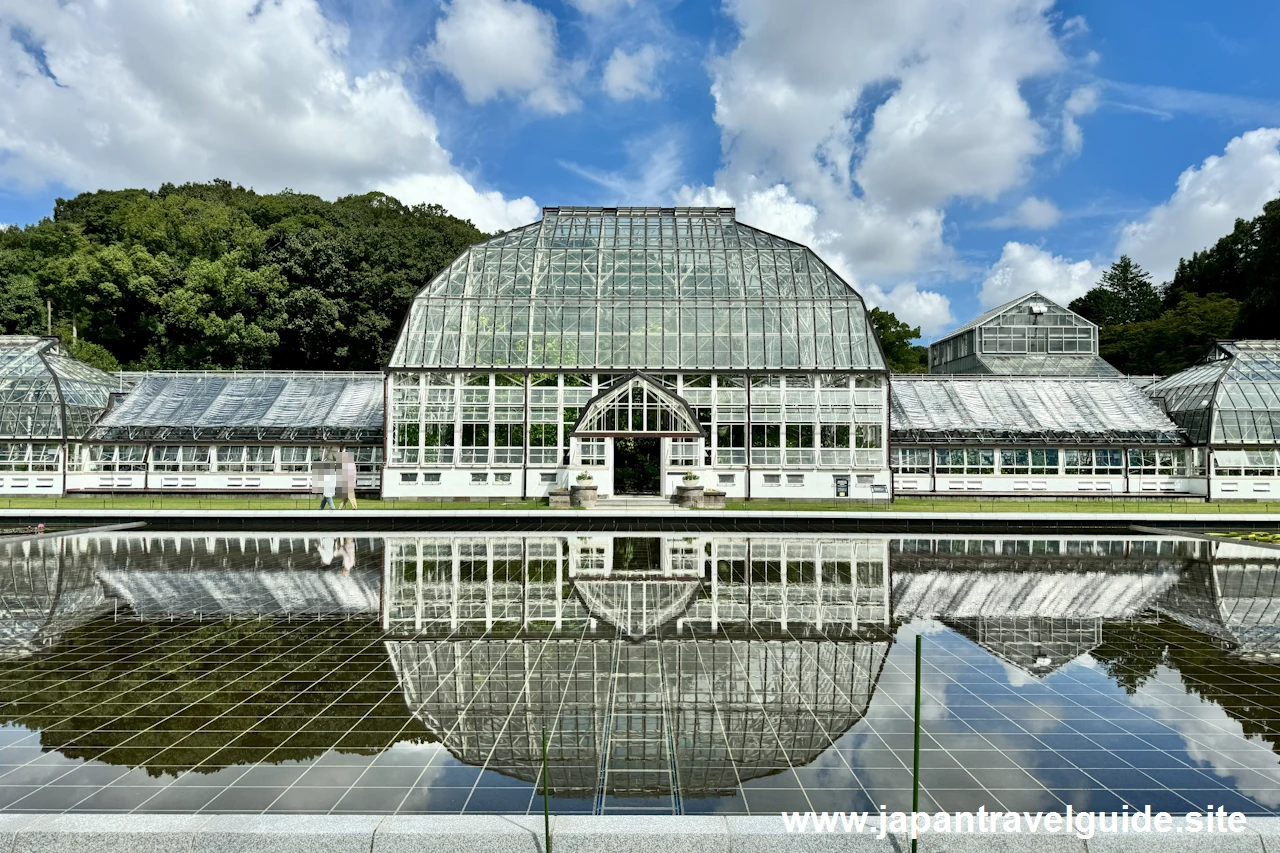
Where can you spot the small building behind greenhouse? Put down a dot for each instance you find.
(1029, 336)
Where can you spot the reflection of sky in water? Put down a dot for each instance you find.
(1020, 709)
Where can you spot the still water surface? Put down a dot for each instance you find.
(670, 674)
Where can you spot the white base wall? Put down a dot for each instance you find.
(906, 485)
(1245, 488)
(48, 483)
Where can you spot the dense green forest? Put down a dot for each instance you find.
(218, 276)
(1230, 290)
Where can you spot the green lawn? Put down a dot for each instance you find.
(300, 502)
(976, 505)
(115, 502)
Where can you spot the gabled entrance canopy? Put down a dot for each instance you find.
(637, 405)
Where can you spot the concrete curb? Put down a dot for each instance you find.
(155, 833)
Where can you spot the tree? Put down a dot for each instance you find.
(1174, 341)
(1125, 294)
(214, 275)
(895, 338)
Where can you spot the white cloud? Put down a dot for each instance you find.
(653, 171)
(1038, 213)
(929, 310)
(1023, 268)
(1212, 737)
(502, 47)
(632, 75)
(877, 115)
(1081, 102)
(255, 92)
(1206, 204)
(600, 8)
(775, 210)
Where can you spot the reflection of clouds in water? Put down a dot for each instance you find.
(950, 661)
(1213, 737)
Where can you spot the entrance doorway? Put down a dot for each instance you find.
(636, 466)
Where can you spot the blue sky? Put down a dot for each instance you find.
(943, 156)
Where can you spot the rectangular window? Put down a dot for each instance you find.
(967, 461)
(430, 477)
(502, 477)
(547, 477)
(475, 444)
(766, 444)
(409, 476)
(731, 444)
(1023, 461)
(867, 436)
(479, 477)
(726, 479)
(591, 451)
(799, 449)
(508, 444)
(909, 460)
(795, 479)
(292, 459)
(773, 479)
(1093, 462)
(684, 452)
(544, 448)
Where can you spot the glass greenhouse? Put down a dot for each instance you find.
(1029, 336)
(231, 430)
(1230, 403)
(46, 399)
(1017, 434)
(637, 344)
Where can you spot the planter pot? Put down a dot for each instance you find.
(712, 500)
(583, 496)
(559, 501)
(689, 497)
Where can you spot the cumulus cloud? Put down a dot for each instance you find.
(503, 47)
(100, 94)
(632, 75)
(776, 210)
(1208, 200)
(876, 115)
(1081, 102)
(600, 8)
(1033, 212)
(1023, 268)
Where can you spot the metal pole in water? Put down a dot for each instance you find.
(915, 763)
(546, 802)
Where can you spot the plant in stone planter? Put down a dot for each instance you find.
(690, 478)
(584, 478)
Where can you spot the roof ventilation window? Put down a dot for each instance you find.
(1038, 308)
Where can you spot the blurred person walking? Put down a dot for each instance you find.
(347, 480)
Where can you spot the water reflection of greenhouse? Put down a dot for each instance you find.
(663, 666)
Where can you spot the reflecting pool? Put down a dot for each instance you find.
(668, 674)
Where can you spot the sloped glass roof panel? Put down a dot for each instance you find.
(1239, 383)
(936, 409)
(1056, 364)
(45, 394)
(638, 288)
(232, 405)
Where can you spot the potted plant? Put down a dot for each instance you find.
(689, 492)
(583, 492)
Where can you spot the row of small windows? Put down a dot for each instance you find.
(188, 458)
(1176, 462)
(1036, 339)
